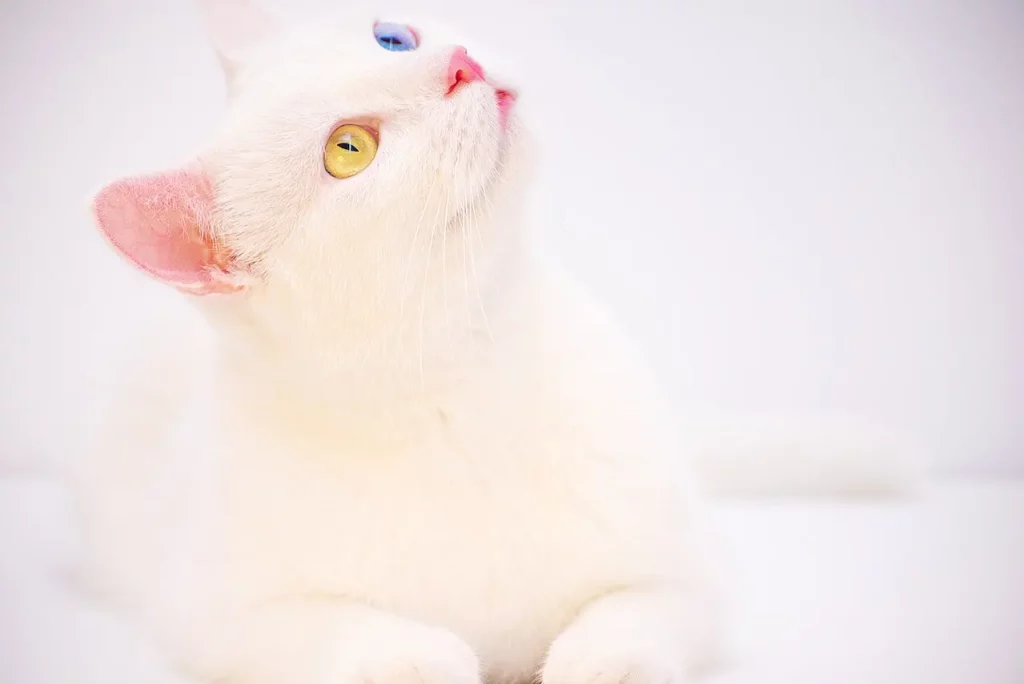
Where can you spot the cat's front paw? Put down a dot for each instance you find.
(422, 655)
(584, 657)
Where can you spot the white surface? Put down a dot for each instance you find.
(928, 591)
(817, 204)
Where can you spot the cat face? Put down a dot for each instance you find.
(444, 130)
(363, 184)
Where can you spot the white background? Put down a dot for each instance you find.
(792, 205)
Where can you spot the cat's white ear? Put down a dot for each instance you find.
(162, 223)
(236, 28)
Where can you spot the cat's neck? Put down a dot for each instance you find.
(428, 356)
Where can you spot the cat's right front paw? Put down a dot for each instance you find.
(424, 655)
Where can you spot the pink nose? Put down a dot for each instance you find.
(462, 69)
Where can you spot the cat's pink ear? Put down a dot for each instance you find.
(162, 224)
(236, 28)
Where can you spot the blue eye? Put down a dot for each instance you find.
(395, 37)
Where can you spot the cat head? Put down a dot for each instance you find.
(362, 190)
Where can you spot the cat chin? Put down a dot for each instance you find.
(508, 133)
(482, 199)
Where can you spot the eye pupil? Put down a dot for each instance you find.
(347, 146)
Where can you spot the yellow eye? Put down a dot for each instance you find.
(349, 150)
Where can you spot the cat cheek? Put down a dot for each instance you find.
(162, 223)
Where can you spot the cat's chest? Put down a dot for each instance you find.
(484, 531)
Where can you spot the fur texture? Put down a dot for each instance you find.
(406, 450)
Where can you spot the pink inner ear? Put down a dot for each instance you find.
(161, 223)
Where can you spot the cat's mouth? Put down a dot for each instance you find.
(506, 101)
(464, 71)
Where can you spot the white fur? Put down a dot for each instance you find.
(411, 451)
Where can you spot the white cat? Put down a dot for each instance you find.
(393, 446)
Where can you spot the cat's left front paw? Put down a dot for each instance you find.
(581, 656)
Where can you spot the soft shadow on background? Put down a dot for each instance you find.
(793, 205)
